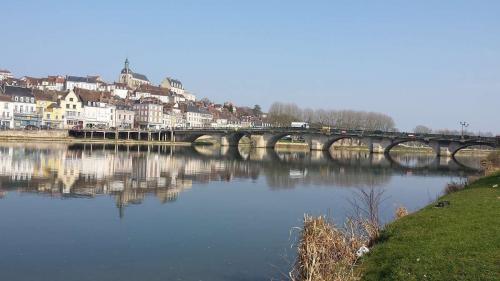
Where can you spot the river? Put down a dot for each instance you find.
(106, 212)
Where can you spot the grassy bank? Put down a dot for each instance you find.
(457, 242)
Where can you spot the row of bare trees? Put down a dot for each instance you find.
(282, 114)
(421, 129)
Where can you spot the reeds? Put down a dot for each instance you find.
(454, 187)
(328, 253)
(492, 163)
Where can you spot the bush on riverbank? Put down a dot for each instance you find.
(325, 253)
(329, 253)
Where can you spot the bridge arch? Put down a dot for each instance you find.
(234, 138)
(275, 138)
(329, 143)
(455, 149)
(435, 146)
(192, 138)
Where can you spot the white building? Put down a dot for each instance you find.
(176, 86)
(189, 96)
(52, 83)
(124, 116)
(91, 83)
(5, 74)
(148, 91)
(97, 110)
(173, 117)
(197, 117)
(148, 113)
(118, 89)
(6, 113)
(23, 101)
(74, 114)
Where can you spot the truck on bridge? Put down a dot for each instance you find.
(303, 125)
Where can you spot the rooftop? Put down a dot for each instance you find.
(92, 96)
(88, 79)
(174, 83)
(18, 91)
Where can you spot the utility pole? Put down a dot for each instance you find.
(464, 124)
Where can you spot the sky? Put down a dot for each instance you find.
(432, 63)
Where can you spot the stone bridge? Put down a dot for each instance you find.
(376, 141)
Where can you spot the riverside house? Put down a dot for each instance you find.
(97, 109)
(25, 113)
(148, 113)
(6, 113)
(197, 117)
(124, 115)
(59, 110)
(73, 109)
(44, 100)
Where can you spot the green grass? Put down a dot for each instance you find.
(457, 242)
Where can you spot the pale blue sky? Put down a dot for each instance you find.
(423, 62)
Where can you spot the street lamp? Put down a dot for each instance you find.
(464, 125)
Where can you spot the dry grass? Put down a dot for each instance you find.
(492, 163)
(454, 187)
(401, 211)
(328, 253)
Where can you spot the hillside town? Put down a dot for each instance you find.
(132, 102)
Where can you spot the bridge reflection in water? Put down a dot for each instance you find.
(129, 173)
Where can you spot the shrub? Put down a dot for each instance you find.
(325, 252)
(401, 211)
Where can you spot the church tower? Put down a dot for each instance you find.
(130, 78)
(125, 73)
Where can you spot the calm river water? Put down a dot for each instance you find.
(82, 212)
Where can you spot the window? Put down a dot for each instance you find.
(119, 116)
(22, 99)
(89, 103)
(70, 99)
(21, 109)
(32, 100)
(15, 98)
(48, 116)
(74, 106)
(67, 106)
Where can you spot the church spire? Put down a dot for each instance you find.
(126, 63)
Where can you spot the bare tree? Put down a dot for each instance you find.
(283, 113)
(421, 129)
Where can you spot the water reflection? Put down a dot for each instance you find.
(130, 173)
